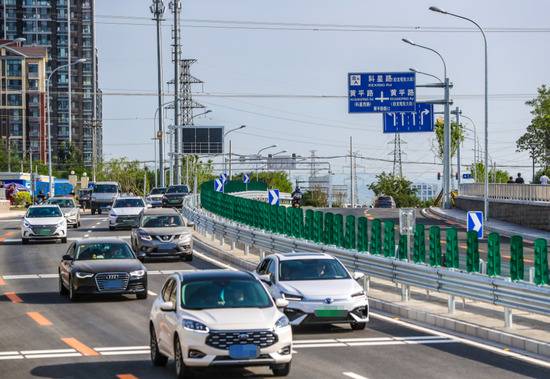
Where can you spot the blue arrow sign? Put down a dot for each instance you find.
(273, 197)
(421, 120)
(467, 176)
(380, 92)
(475, 222)
(223, 177)
(218, 185)
(246, 178)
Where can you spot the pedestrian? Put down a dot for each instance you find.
(519, 179)
(510, 180)
(544, 180)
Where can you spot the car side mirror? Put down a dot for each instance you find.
(266, 278)
(167, 306)
(358, 275)
(190, 224)
(67, 257)
(281, 303)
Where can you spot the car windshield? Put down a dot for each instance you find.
(129, 203)
(103, 250)
(44, 212)
(158, 191)
(161, 221)
(63, 203)
(312, 269)
(105, 188)
(178, 189)
(224, 293)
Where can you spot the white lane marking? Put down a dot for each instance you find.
(88, 231)
(353, 375)
(27, 276)
(151, 293)
(330, 344)
(55, 276)
(29, 352)
(119, 348)
(4, 358)
(98, 223)
(48, 276)
(126, 352)
(60, 355)
(93, 227)
(317, 341)
(86, 235)
(16, 240)
(465, 341)
(9, 353)
(214, 261)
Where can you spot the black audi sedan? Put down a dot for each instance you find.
(174, 195)
(101, 266)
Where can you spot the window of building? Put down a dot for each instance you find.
(33, 84)
(13, 67)
(14, 100)
(14, 84)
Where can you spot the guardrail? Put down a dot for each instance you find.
(455, 283)
(522, 192)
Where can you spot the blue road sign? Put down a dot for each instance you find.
(246, 178)
(475, 222)
(380, 92)
(273, 197)
(223, 177)
(218, 185)
(421, 120)
(467, 176)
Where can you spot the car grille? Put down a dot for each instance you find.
(41, 229)
(112, 281)
(166, 238)
(222, 340)
(127, 218)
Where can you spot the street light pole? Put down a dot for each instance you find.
(486, 158)
(81, 60)
(258, 155)
(446, 128)
(230, 152)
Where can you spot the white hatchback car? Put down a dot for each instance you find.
(320, 290)
(219, 318)
(43, 222)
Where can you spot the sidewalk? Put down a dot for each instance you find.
(530, 332)
(506, 229)
(12, 214)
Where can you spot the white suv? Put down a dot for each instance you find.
(44, 222)
(219, 318)
(320, 290)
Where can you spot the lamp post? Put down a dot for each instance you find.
(230, 152)
(258, 155)
(486, 158)
(81, 60)
(425, 73)
(446, 128)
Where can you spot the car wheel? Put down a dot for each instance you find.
(188, 258)
(142, 295)
(78, 224)
(62, 289)
(25, 241)
(157, 357)
(99, 211)
(111, 228)
(64, 240)
(358, 325)
(281, 370)
(75, 226)
(72, 295)
(93, 211)
(182, 371)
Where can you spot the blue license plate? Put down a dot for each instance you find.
(166, 246)
(247, 351)
(112, 284)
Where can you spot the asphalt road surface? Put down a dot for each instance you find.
(43, 335)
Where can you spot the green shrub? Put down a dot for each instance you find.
(22, 198)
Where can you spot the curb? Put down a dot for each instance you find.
(500, 339)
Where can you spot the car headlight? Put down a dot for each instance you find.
(84, 275)
(61, 223)
(137, 273)
(26, 224)
(144, 236)
(185, 238)
(282, 322)
(290, 297)
(195, 326)
(358, 294)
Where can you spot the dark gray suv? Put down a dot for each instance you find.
(162, 233)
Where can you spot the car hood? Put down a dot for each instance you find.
(108, 265)
(68, 210)
(167, 231)
(237, 318)
(127, 211)
(321, 289)
(44, 220)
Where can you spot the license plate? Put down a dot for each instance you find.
(44, 232)
(247, 351)
(330, 312)
(165, 246)
(112, 284)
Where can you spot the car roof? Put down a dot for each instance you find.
(214, 274)
(113, 240)
(300, 255)
(160, 211)
(128, 197)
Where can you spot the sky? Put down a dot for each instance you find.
(288, 61)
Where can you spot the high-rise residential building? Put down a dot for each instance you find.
(45, 23)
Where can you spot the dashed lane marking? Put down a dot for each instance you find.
(55, 276)
(2, 281)
(18, 240)
(86, 235)
(126, 376)
(151, 293)
(12, 296)
(39, 319)
(353, 375)
(80, 347)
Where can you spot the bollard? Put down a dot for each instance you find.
(482, 267)
(493, 254)
(246, 249)
(451, 304)
(213, 236)
(405, 292)
(516, 259)
(508, 322)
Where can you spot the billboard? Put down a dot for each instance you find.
(281, 162)
(202, 139)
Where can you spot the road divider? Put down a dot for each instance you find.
(39, 319)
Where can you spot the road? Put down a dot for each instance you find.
(43, 335)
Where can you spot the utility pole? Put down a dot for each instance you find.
(175, 7)
(157, 8)
(352, 189)
(70, 69)
(457, 115)
(397, 155)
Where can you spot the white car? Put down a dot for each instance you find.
(69, 209)
(125, 212)
(43, 222)
(219, 318)
(319, 289)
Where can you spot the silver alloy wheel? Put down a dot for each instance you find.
(153, 344)
(178, 358)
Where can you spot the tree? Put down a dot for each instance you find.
(315, 198)
(204, 171)
(276, 179)
(501, 176)
(397, 187)
(127, 173)
(457, 136)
